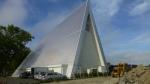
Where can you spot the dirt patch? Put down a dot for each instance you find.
(97, 80)
(10, 80)
(139, 75)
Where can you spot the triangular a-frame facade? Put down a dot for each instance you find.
(72, 47)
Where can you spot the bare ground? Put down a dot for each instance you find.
(98, 80)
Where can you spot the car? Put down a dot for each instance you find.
(49, 76)
(26, 75)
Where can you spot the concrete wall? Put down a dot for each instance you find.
(89, 57)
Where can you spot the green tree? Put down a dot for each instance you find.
(13, 48)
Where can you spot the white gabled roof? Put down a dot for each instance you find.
(61, 45)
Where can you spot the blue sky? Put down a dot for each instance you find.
(123, 25)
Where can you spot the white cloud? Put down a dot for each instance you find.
(134, 51)
(142, 38)
(140, 8)
(106, 7)
(131, 57)
(13, 12)
(54, 1)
